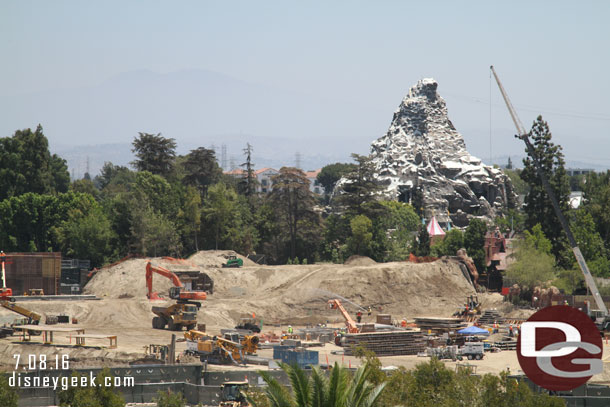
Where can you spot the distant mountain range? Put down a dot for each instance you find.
(197, 108)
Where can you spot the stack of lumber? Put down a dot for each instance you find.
(491, 316)
(391, 343)
(440, 325)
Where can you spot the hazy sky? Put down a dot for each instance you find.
(552, 56)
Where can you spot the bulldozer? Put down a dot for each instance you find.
(233, 262)
(233, 394)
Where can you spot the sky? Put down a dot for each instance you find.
(552, 57)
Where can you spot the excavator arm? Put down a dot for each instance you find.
(31, 315)
(349, 322)
(150, 269)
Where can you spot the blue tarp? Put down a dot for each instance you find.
(473, 330)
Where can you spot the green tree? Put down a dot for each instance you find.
(358, 194)
(219, 211)
(338, 390)
(294, 202)
(474, 242)
(596, 201)
(153, 233)
(87, 234)
(330, 174)
(537, 239)
(532, 267)
(538, 207)
(169, 399)
(362, 234)
(154, 153)
(201, 169)
(26, 165)
(8, 395)
(247, 185)
(590, 243)
(97, 395)
(399, 223)
(423, 242)
(453, 241)
(85, 186)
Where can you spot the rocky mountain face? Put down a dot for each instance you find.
(422, 158)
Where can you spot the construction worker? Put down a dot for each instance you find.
(495, 330)
(290, 329)
(565, 302)
(359, 316)
(510, 331)
(369, 311)
(403, 323)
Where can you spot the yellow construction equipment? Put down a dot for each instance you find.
(233, 394)
(229, 349)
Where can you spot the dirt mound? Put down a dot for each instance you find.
(216, 258)
(356, 260)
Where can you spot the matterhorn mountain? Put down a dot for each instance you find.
(423, 159)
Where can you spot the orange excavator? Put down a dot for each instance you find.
(175, 292)
(349, 322)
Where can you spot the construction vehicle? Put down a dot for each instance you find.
(473, 350)
(225, 350)
(175, 316)
(177, 292)
(5, 292)
(603, 319)
(233, 262)
(233, 394)
(30, 317)
(471, 307)
(349, 321)
(249, 324)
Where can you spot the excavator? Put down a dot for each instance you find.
(221, 350)
(181, 314)
(602, 319)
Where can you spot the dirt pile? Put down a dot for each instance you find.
(356, 260)
(216, 258)
(293, 293)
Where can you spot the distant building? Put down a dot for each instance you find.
(314, 184)
(265, 184)
(578, 171)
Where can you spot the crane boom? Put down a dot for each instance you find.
(349, 322)
(523, 135)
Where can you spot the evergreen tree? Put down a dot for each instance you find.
(330, 174)
(474, 242)
(509, 165)
(359, 191)
(154, 153)
(201, 169)
(538, 207)
(247, 185)
(423, 244)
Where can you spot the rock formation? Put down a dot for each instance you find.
(422, 158)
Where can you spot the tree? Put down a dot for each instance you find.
(330, 174)
(340, 389)
(532, 266)
(169, 399)
(85, 186)
(399, 223)
(359, 191)
(596, 201)
(219, 210)
(509, 165)
(153, 234)
(423, 242)
(474, 242)
(538, 207)
(154, 153)
(8, 395)
(453, 241)
(362, 234)
(294, 202)
(201, 169)
(248, 183)
(26, 165)
(86, 234)
(590, 243)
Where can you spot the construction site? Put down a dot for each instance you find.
(227, 317)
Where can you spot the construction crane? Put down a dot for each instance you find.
(175, 292)
(221, 350)
(603, 322)
(349, 322)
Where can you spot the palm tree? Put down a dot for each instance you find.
(339, 389)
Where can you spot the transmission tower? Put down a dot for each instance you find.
(223, 157)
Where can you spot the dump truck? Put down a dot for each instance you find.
(176, 316)
(234, 262)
